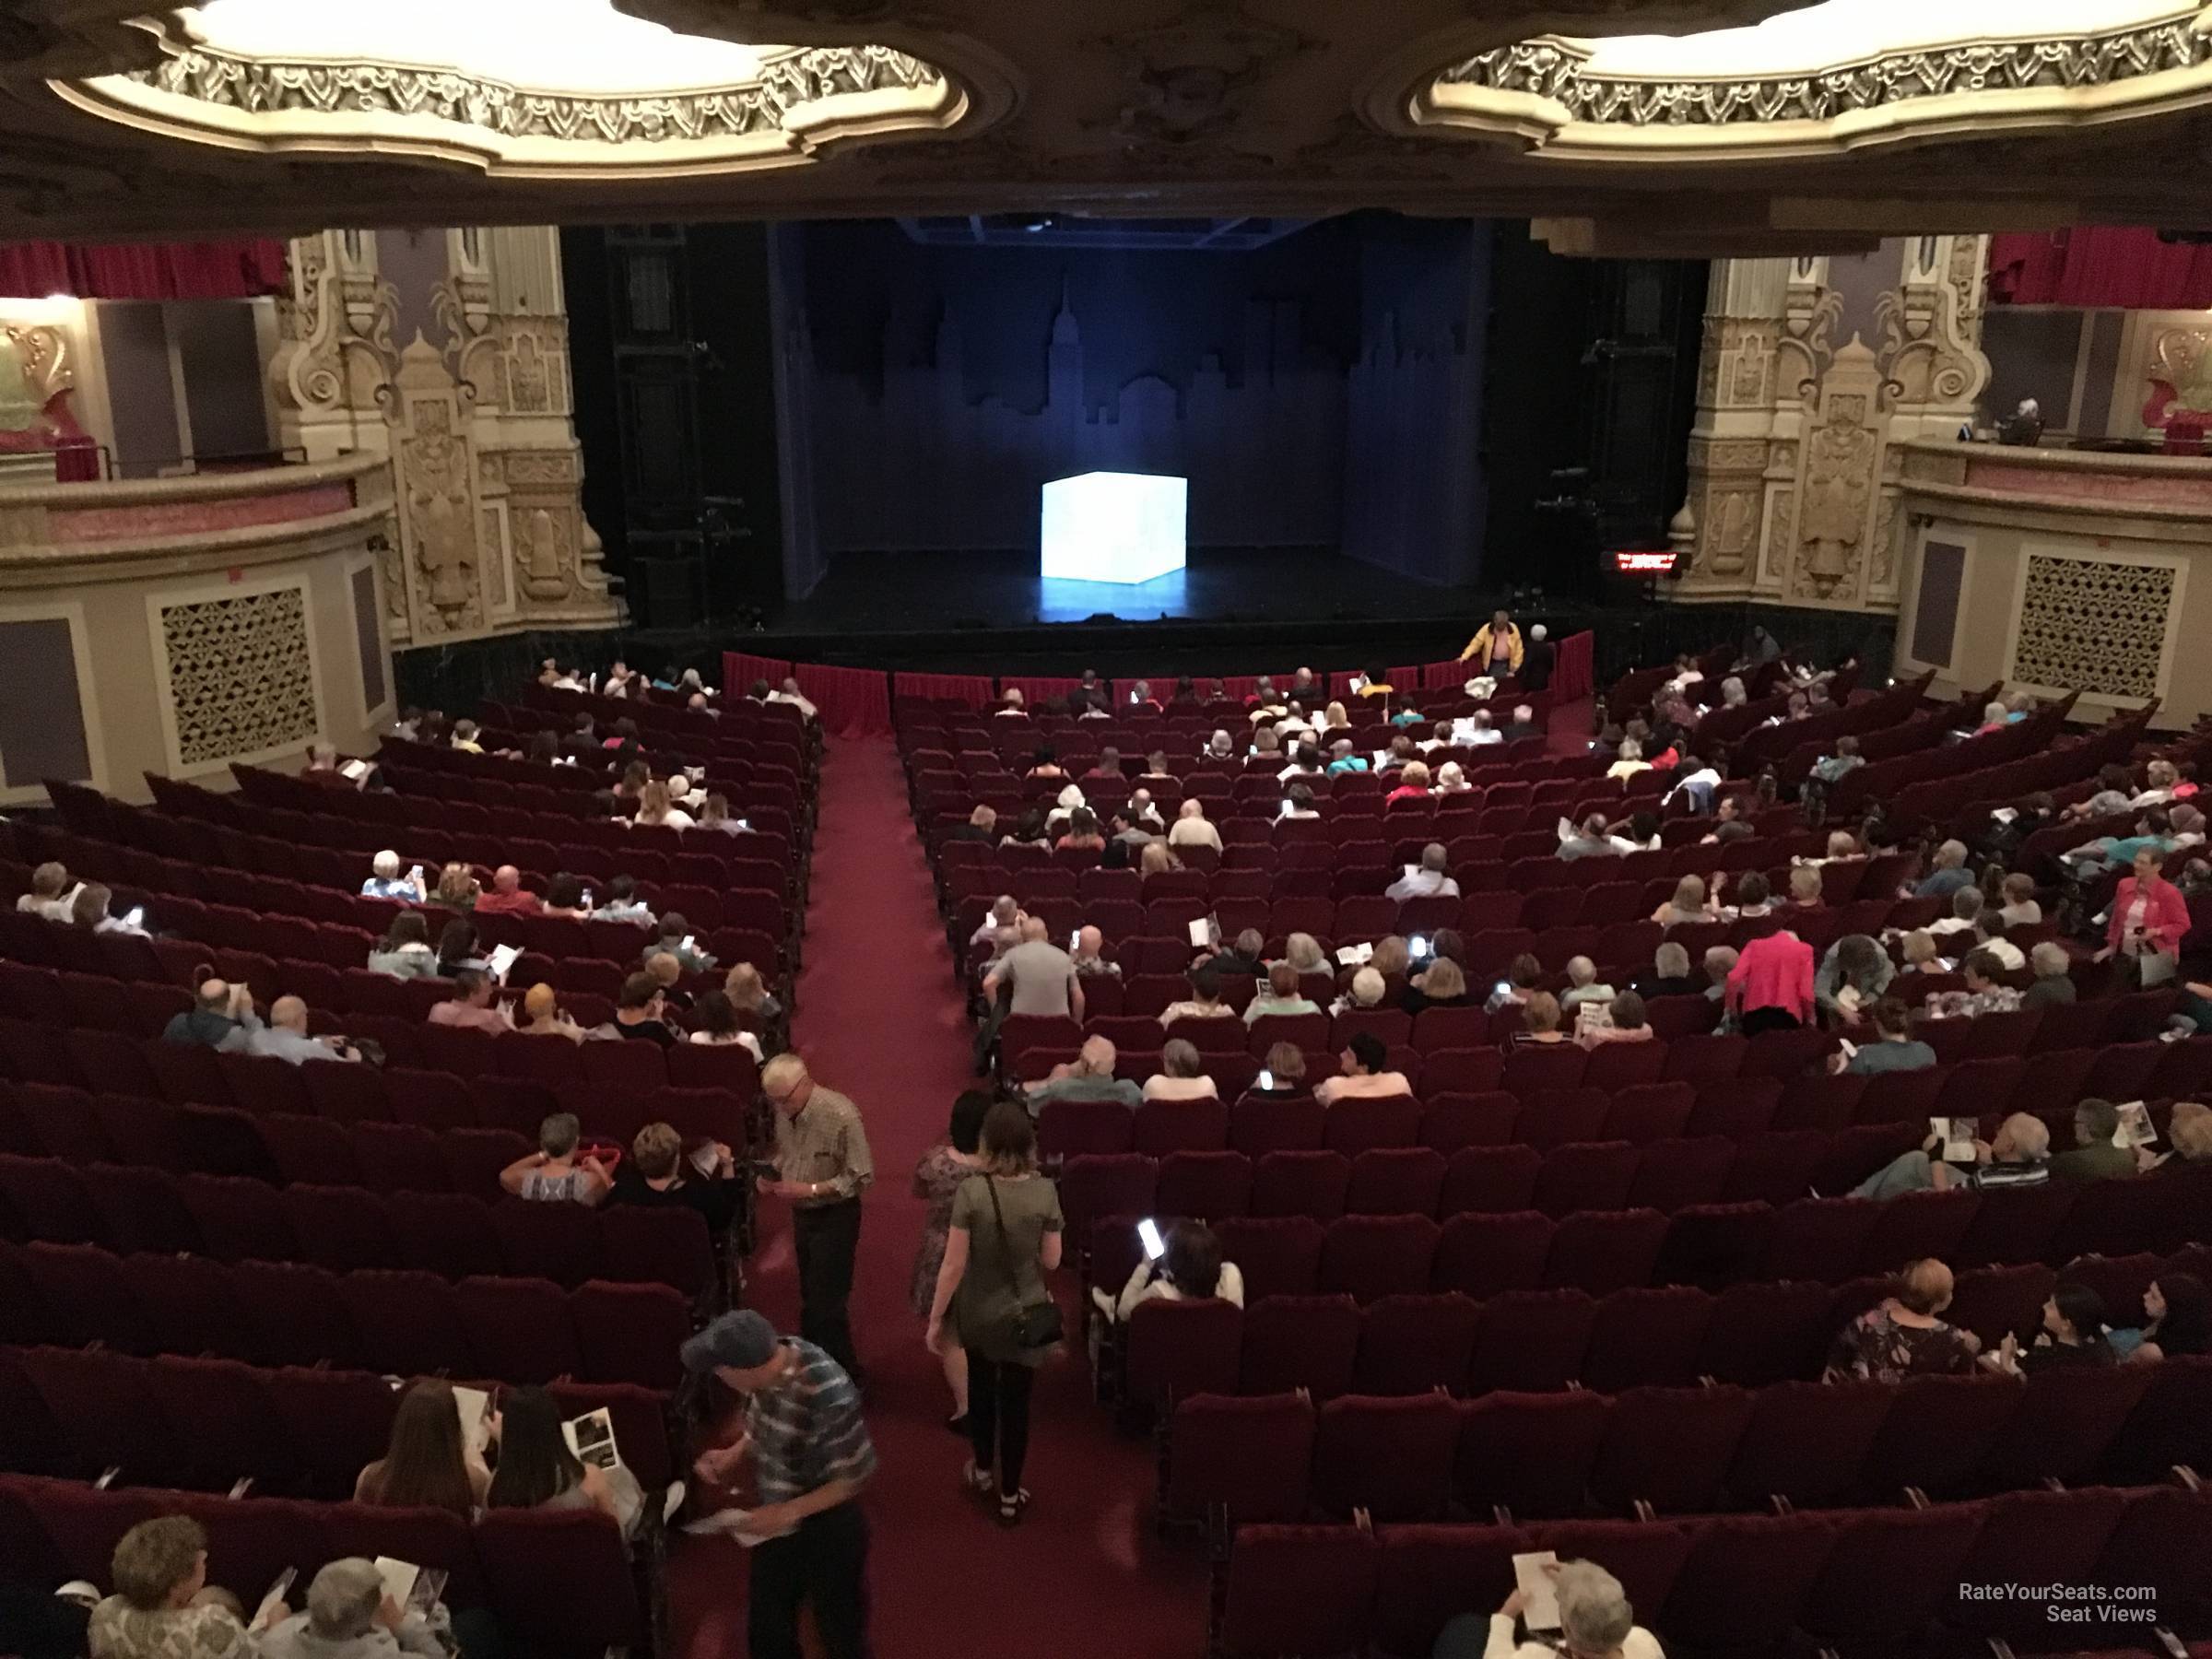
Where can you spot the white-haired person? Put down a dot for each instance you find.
(1366, 991)
(2020, 1156)
(349, 1615)
(1595, 1622)
(386, 882)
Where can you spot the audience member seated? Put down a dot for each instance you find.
(2177, 1322)
(160, 1609)
(2019, 1157)
(1583, 985)
(1754, 897)
(640, 1011)
(2095, 1155)
(1989, 940)
(675, 937)
(1082, 834)
(1966, 910)
(508, 896)
(1893, 1048)
(2075, 1322)
(456, 888)
(537, 1470)
(386, 882)
(1181, 1076)
(715, 1024)
(566, 895)
(1719, 962)
(1806, 887)
(1834, 767)
(1281, 996)
(749, 995)
(714, 814)
(623, 904)
(1298, 801)
(543, 1016)
(1983, 994)
(1904, 1337)
(285, 1037)
(2189, 1129)
(1366, 1076)
(1088, 1076)
(1205, 1001)
(1771, 987)
(90, 909)
(1189, 1268)
(349, 1616)
(1948, 874)
(471, 1005)
(1590, 840)
(1689, 907)
(221, 1016)
(457, 949)
(428, 1463)
(1192, 828)
(1595, 1620)
(1855, 972)
(1626, 1022)
(2020, 908)
(405, 952)
(1541, 1017)
(553, 1173)
(2053, 976)
(1282, 1075)
(1441, 985)
(1430, 879)
(1670, 976)
(1154, 857)
(1366, 990)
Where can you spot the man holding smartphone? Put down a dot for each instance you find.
(822, 1165)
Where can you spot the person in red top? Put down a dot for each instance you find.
(1771, 987)
(2149, 918)
(508, 896)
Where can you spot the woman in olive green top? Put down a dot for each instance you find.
(1004, 1238)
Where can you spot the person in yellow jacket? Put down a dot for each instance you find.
(1497, 641)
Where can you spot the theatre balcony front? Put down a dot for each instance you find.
(2054, 569)
(179, 624)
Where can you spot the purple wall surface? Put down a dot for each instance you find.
(1308, 389)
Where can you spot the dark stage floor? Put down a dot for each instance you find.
(905, 593)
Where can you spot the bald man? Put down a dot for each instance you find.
(508, 896)
(1090, 955)
(285, 1037)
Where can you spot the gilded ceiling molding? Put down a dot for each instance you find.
(804, 100)
(1543, 93)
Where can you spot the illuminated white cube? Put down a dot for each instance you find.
(1110, 526)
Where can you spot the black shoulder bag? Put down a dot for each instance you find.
(1036, 1324)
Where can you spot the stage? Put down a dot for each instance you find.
(910, 593)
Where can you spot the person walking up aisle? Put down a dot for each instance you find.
(811, 1457)
(822, 1166)
(1006, 1236)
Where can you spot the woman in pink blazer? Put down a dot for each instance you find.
(1771, 987)
(2150, 919)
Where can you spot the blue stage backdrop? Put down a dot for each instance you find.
(1320, 390)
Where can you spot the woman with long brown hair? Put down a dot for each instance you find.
(428, 1464)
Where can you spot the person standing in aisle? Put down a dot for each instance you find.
(811, 1458)
(822, 1166)
(991, 1299)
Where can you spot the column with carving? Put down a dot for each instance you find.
(1721, 529)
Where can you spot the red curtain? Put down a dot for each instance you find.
(741, 668)
(968, 690)
(853, 703)
(2098, 265)
(1572, 674)
(221, 270)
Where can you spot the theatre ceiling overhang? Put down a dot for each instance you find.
(1684, 126)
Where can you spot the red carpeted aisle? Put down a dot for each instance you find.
(880, 1019)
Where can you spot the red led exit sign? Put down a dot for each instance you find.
(1643, 561)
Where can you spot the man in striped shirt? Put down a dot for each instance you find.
(811, 1456)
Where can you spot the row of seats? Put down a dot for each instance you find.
(1822, 1240)
(1640, 1114)
(392, 1323)
(625, 1086)
(1682, 1451)
(236, 1219)
(52, 1531)
(1550, 1341)
(1870, 1581)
